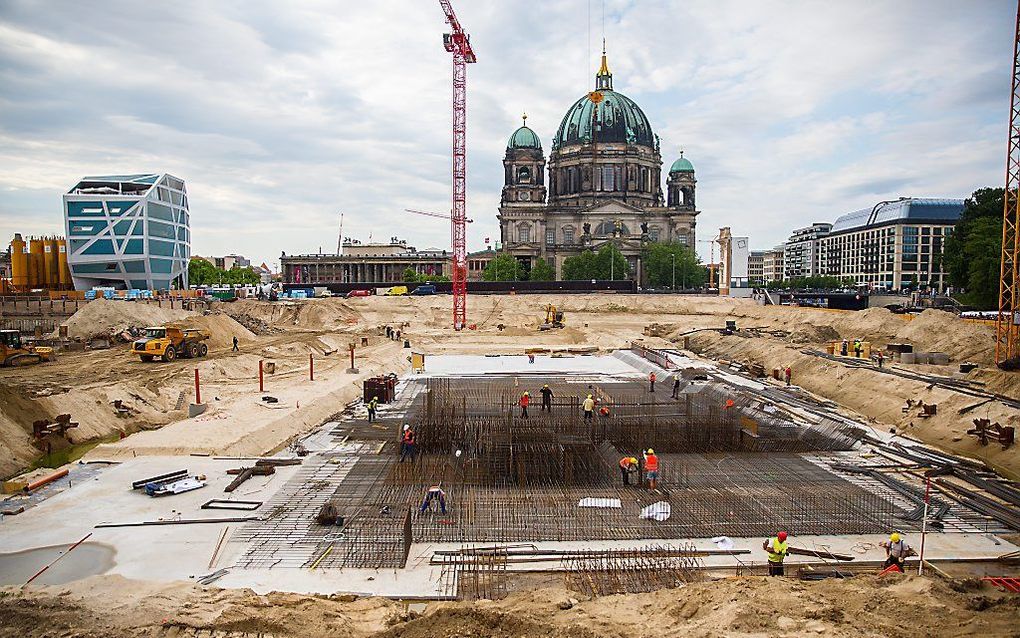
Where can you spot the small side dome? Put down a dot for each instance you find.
(681, 165)
(524, 137)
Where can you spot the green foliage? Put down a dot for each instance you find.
(659, 260)
(542, 271)
(814, 283)
(504, 267)
(202, 273)
(412, 277)
(607, 263)
(973, 252)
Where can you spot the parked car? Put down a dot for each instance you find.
(359, 293)
(396, 291)
(424, 289)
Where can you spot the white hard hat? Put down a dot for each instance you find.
(406, 427)
(458, 454)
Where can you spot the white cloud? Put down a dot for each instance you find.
(280, 115)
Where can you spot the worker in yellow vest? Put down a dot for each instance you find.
(776, 548)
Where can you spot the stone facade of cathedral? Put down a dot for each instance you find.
(602, 184)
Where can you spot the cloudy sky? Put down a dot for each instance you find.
(279, 115)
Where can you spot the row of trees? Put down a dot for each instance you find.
(821, 282)
(410, 276)
(203, 273)
(972, 254)
(666, 265)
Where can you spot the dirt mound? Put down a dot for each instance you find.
(223, 329)
(865, 605)
(311, 314)
(811, 333)
(105, 317)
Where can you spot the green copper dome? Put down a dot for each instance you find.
(681, 166)
(524, 137)
(619, 119)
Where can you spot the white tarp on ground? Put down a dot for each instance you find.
(599, 502)
(657, 511)
(470, 365)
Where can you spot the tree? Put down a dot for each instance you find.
(659, 260)
(504, 267)
(818, 282)
(201, 272)
(607, 263)
(542, 271)
(579, 267)
(973, 252)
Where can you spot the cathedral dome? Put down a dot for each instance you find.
(681, 166)
(524, 137)
(617, 119)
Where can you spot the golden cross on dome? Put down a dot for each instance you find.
(524, 116)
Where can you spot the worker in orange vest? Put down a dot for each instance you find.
(628, 466)
(789, 374)
(651, 468)
(651, 382)
(525, 400)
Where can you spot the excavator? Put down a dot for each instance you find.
(553, 318)
(14, 353)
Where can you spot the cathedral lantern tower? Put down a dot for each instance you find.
(524, 167)
(681, 183)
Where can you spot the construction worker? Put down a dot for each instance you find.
(651, 382)
(589, 408)
(651, 468)
(547, 396)
(777, 549)
(234, 349)
(407, 443)
(628, 466)
(858, 348)
(434, 492)
(788, 374)
(843, 347)
(676, 387)
(372, 405)
(896, 551)
(525, 400)
(604, 411)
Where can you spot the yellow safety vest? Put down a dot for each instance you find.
(777, 551)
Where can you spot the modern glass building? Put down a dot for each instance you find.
(128, 231)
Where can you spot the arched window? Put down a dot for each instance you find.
(523, 175)
(606, 228)
(524, 233)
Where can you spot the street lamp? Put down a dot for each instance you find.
(673, 258)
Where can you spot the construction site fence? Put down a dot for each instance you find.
(482, 287)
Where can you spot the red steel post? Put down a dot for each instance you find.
(198, 389)
(262, 385)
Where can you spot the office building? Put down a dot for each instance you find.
(128, 231)
(802, 253)
(894, 245)
(772, 264)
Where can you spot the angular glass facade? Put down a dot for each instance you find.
(128, 231)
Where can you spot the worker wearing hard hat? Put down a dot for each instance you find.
(776, 548)
(589, 408)
(651, 468)
(896, 550)
(525, 400)
(628, 466)
(547, 396)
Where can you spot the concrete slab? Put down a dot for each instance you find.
(472, 365)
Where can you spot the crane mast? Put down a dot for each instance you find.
(1007, 322)
(459, 44)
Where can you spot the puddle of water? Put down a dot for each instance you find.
(88, 559)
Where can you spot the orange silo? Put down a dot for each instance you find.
(19, 262)
(63, 272)
(49, 269)
(35, 262)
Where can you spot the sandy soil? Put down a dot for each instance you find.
(896, 606)
(156, 395)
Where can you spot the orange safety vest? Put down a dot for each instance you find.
(525, 399)
(627, 462)
(651, 463)
(651, 377)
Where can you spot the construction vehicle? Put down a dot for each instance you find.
(553, 318)
(170, 342)
(15, 353)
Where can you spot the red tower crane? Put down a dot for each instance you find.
(459, 44)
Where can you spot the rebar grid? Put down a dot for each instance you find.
(631, 571)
